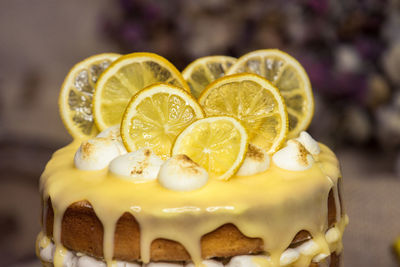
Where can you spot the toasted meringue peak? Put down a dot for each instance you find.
(180, 173)
(289, 256)
(96, 153)
(256, 161)
(293, 157)
(112, 132)
(247, 261)
(309, 143)
(142, 163)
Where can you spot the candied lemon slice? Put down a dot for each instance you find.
(124, 78)
(75, 100)
(203, 71)
(155, 117)
(289, 76)
(253, 100)
(218, 144)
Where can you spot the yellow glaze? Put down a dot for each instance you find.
(273, 205)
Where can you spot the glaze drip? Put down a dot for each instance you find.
(273, 205)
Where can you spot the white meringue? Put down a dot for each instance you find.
(112, 132)
(207, 263)
(246, 261)
(86, 261)
(162, 264)
(289, 256)
(128, 264)
(180, 173)
(46, 253)
(256, 161)
(142, 163)
(96, 153)
(293, 157)
(320, 257)
(309, 143)
(309, 247)
(70, 260)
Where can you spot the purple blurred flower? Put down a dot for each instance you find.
(131, 33)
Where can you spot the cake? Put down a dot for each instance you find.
(106, 204)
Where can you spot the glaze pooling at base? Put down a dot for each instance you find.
(273, 205)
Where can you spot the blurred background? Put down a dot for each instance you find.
(350, 49)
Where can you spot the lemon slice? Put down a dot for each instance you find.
(75, 100)
(203, 71)
(218, 144)
(288, 75)
(124, 78)
(155, 117)
(253, 100)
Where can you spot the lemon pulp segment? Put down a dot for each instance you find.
(255, 102)
(75, 100)
(203, 71)
(218, 144)
(127, 76)
(287, 74)
(156, 115)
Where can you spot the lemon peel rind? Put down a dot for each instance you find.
(63, 95)
(123, 61)
(305, 123)
(240, 77)
(146, 92)
(243, 148)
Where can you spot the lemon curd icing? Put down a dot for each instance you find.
(273, 205)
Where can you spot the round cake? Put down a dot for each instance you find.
(105, 204)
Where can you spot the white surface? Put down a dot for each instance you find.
(142, 163)
(180, 173)
(97, 153)
(290, 157)
(253, 165)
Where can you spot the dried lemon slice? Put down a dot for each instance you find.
(253, 100)
(218, 144)
(288, 75)
(203, 71)
(75, 100)
(155, 117)
(124, 78)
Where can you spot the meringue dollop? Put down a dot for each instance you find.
(142, 163)
(180, 173)
(256, 161)
(293, 157)
(309, 143)
(97, 153)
